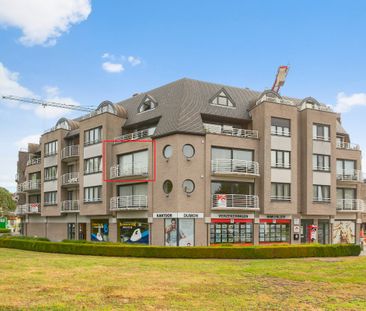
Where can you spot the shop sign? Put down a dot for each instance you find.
(178, 215)
(296, 229)
(165, 215)
(296, 221)
(233, 216)
(275, 217)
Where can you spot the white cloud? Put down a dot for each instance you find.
(346, 102)
(134, 61)
(112, 67)
(23, 143)
(42, 22)
(9, 85)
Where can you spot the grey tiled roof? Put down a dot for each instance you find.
(181, 103)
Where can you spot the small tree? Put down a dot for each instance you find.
(7, 203)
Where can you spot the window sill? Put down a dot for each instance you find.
(281, 200)
(322, 171)
(323, 140)
(91, 173)
(53, 179)
(321, 202)
(274, 134)
(50, 155)
(92, 143)
(93, 202)
(281, 167)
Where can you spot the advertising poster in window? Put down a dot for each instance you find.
(179, 232)
(99, 231)
(344, 232)
(221, 200)
(134, 231)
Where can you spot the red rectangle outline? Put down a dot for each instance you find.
(104, 168)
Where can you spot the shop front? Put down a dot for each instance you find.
(274, 229)
(99, 230)
(133, 231)
(179, 228)
(344, 232)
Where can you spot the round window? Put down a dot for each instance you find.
(188, 186)
(167, 186)
(168, 151)
(188, 151)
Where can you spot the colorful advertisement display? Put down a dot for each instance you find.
(99, 230)
(134, 231)
(344, 232)
(179, 232)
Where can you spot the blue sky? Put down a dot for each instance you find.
(82, 52)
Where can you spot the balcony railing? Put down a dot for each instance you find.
(128, 202)
(21, 210)
(230, 131)
(33, 161)
(321, 200)
(280, 198)
(308, 105)
(70, 206)
(350, 205)
(235, 201)
(129, 170)
(136, 135)
(235, 166)
(275, 100)
(33, 208)
(70, 179)
(70, 151)
(30, 185)
(349, 175)
(348, 146)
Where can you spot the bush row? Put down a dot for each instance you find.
(3, 230)
(248, 252)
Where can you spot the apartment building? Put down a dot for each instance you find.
(196, 163)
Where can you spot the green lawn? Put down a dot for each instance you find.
(32, 280)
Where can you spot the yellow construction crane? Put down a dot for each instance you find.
(45, 103)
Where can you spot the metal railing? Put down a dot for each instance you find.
(322, 138)
(321, 168)
(33, 161)
(33, 208)
(321, 200)
(70, 206)
(21, 210)
(286, 133)
(230, 131)
(280, 165)
(30, 185)
(70, 151)
(235, 201)
(353, 205)
(128, 202)
(275, 100)
(349, 175)
(129, 170)
(136, 135)
(222, 166)
(320, 107)
(348, 146)
(70, 178)
(280, 198)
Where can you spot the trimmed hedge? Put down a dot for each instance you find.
(248, 252)
(3, 230)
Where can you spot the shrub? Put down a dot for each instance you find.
(27, 238)
(119, 250)
(3, 230)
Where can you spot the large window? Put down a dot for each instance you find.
(133, 163)
(93, 165)
(132, 195)
(280, 159)
(147, 104)
(346, 167)
(228, 187)
(50, 198)
(321, 162)
(280, 127)
(231, 154)
(240, 232)
(281, 192)
(321, 132)
(179, 232)
(93, 194)
(93, 136)
(222, 99)
(50, 173)
(321, 193)
(50, 148)
(274, 232)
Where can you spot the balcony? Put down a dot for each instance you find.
(230, 131)
(275, 100)
(30, 185)
(347, 146)
(349, 175)
(33, 208)
(128, 202)
(70, 179)
(350, 205)
(33, 161)
(235, 166)
(136, 135)
(70, 152)
(21, 210)
(129, 170)
(70, 206)
(235, 202)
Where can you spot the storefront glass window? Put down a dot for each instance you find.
(274, 232)
(71, 231)
(134, 231)
(99, 230)
(179, 232)
(231, 233)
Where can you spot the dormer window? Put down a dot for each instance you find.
(147, 104)
(222, 99)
